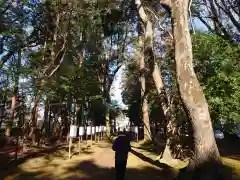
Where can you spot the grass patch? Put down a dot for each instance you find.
(235, 164)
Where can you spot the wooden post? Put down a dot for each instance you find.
(91, 139)
(79, 145)
(70, 145)
(101, 132)
(86, 135)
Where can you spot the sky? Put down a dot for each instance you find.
(116, 88)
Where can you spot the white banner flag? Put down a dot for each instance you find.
(81, 130)
(73, 131)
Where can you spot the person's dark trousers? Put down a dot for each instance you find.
(120, 167)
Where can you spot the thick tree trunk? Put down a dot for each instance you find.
(141, 58)
(157, 77)
(147, 130)
(34, 119)
(205, 148)
(9, 124)
(15, 94)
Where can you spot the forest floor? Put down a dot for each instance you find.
(229, 149)
(95, 162)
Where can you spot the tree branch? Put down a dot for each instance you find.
(229, 14)
(60, 51)
(56, 68)
(167, 3)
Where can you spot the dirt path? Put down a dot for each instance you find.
(94, 163)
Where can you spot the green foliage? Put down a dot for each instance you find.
(218, 68)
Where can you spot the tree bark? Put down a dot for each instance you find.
(108, 124)
(205, 148)
(157, 77)
(144, 101)
(78, 113)
(34, 117)
(15, 94)
(141, 59)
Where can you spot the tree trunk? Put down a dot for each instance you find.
(9, 124)
(78, 113)
(15, 94)
(157, 77)
(141, 58)
(144, 102)
(107, 112)
(46, 116)
(108, 128)
(34, 118)
(205, 148)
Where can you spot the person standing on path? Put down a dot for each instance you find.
(121, 146)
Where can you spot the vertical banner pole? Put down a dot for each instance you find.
(86, 136)
(70, 145)
(98, 137)
(79, 145)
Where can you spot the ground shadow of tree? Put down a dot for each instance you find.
(31, 154)
(94, 172)
(9, 166)
(210, 170)
(88, 170)
(207, 171)
(166, 168)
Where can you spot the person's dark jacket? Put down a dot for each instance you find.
(121, 146)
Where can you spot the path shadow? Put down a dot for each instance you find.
(92, 171)
(169, 171)
(32, 154)
(88, 170)
(210, 170)
(8, 166)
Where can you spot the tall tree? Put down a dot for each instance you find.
(205, 147)
(158, 79)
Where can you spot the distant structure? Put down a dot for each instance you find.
(122, 121)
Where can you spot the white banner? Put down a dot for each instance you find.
(89, 130)
(81, 131)
(93, 130)
(100, 129)
(73, 131)
(136, 129)
(104, 128)
(97, 129)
